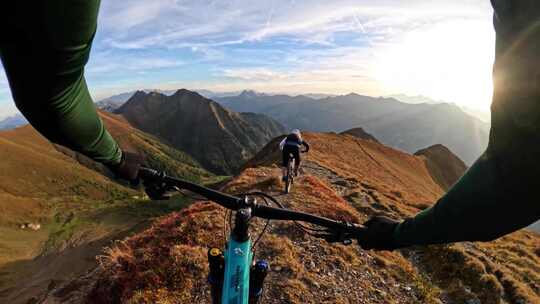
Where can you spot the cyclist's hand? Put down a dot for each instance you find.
(129, 166)
(379, 234)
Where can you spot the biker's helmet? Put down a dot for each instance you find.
(297, 133)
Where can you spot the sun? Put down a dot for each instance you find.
(450, 61)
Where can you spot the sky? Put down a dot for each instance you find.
(437, 48)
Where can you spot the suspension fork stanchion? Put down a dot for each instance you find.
(259, 271)
(216, 261)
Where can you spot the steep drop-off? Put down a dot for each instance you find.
(74, 209)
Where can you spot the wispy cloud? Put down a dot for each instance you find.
(115, 63)
(166, 23)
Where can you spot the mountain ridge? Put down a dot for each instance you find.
(360, 133)
(226, 141)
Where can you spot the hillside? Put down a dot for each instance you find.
(219, 139)
(444, 166)
(157, 154)
(75, 209)
(408, 127)
(167, 263)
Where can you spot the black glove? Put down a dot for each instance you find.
(379, 234)
(129, 166)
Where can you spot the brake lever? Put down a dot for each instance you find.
(335, 237)
(344, 236)
(156, 189)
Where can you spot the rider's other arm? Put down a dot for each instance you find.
(498, 194)
(282, 143)
(306, 145)
(44, 59)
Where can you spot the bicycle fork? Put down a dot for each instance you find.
(258, 273)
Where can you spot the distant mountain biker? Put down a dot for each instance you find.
(291, 145)
(499, 193)
(44, 50)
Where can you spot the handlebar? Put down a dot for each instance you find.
(225, 200)
(236, 203)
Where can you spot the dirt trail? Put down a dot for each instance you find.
(310, 250)
(350, 189)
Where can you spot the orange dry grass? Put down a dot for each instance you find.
(166, 262)
(398, 178)
(504, 270)
(144, 269)
(375, 164)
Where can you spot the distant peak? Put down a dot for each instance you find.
(436, 147)
(182, 92)
(360, 133)
(443, 165)
(249, 93)
(192, 94)
(140, 94)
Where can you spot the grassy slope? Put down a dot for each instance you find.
(158, 155)
(167, 262)
(79, 209)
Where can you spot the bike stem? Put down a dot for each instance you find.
(240, 231)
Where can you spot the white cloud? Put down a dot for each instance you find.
(106, 63)
(255, 74)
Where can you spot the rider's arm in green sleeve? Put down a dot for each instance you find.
(499, 193)
(44, 58)
(473, 210)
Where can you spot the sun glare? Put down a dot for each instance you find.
(450, 62)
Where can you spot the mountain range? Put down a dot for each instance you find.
(220, 139)
(405, 126)
(110, 104)
(412, 125)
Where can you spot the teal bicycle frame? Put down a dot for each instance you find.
(234, 275)
(238, 260)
